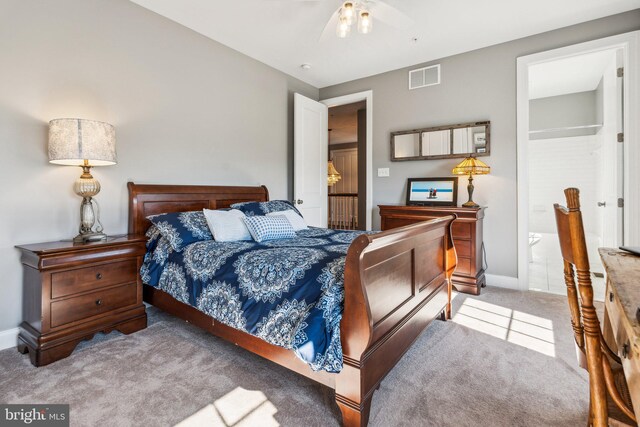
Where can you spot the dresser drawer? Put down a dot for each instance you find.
(463, 267)
(461, 230)
(84, 279)
(463, 248)
(88, 305)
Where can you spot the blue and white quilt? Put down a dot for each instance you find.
(289, 292)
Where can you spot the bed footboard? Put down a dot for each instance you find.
(396, 283)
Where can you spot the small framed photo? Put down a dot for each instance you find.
(480, 138)
(432, 191)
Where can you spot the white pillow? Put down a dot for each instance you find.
(297, 222)
(227, 226)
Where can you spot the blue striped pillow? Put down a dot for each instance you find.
(269, 228)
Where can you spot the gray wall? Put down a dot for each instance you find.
(478, 85)
(573, 109)
(186, 109)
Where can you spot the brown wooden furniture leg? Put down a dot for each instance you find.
(133, 325)
(40, 357)
(354, 415)
(30, 342)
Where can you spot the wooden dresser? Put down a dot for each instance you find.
(621, 326)
(467, 238)
(72, 291)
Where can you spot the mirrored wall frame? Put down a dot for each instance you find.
(442, 142)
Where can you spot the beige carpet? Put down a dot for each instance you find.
(506, 359)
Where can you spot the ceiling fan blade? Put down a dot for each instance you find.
(388, 14)
(329, 29)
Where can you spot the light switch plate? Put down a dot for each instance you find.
(383, 172)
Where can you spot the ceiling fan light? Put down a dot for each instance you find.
(348, 11)
(344, 28)
(365, 22)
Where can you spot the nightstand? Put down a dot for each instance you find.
(73, 290)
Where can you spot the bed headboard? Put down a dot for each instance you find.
(145, 200)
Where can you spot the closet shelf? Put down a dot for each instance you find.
(564, 132)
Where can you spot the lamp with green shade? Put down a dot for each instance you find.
(471, 166)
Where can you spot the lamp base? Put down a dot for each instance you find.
(90, 237)
(470, 204)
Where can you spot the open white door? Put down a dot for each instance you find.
(310, 151)
(612, 157)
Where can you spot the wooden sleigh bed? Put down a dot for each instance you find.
(396, 282)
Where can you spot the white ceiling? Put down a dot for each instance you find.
(569, 75)
(287, 33)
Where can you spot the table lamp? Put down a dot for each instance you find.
(471, 166)
(84, 143)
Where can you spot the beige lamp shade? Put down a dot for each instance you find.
(72, 141)
(471, 166)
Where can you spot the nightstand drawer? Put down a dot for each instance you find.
(85, 306)
(83, 279)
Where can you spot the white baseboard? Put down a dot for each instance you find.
(9, 338)
(502, 281)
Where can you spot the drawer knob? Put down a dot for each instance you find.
(610, 296)
(625, 350)
(99, 276)
(99, 302)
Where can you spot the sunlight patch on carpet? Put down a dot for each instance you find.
(516, 327)
(238, 408)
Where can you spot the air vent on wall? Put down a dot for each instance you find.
(423, 77)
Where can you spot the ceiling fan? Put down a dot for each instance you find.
(361, 13)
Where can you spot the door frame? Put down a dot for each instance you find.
(630, 45)
(366, 96)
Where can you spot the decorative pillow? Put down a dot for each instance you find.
(263, 208)
(182, 228)
(227, 225)
(297, 222)
(269, 227)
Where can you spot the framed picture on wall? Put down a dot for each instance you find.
(432, 191)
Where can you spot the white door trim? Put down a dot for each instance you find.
(367, 96)
(630, 43)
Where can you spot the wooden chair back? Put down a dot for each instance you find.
(584, 319)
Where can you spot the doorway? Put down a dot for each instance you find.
(571, 110)
(347, 189)
(363, 102)
(573, 119)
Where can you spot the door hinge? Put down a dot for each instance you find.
(620, 202)
(620, 72)
(621, 137)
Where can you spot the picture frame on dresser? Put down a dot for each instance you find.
(432, 191)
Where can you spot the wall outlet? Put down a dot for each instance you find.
(383, 172)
